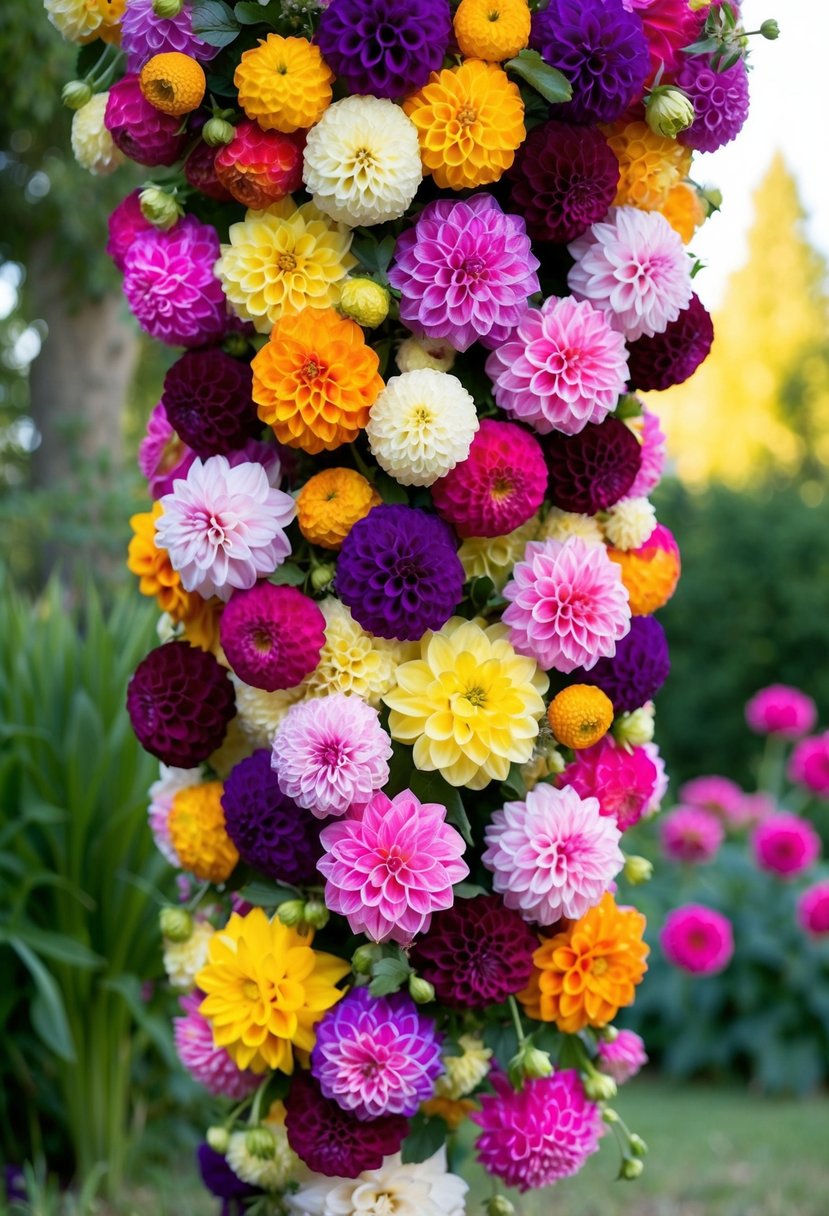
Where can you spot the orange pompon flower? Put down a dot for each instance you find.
(284, 84)
(584, 975)
(651, 572)
(152, 565)
(650, 165)
(470, 121)
(331, 503)
(580, 715)
(198, 833)
(173, 83)
(492, 29)
(685, 211)
(316, 380)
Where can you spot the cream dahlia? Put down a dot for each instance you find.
(421, 426)
(92, 144)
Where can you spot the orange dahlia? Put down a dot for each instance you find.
(153, 566)
(331, 503)
(173, 83)
(584, 975)
(284, 84)
(198, 834)
(650, 165)
(492, 29)
(684, 210)
(315, 380)
(580, 715)
(470, 121)
(651, 572)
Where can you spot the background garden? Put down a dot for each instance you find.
(88, 1072)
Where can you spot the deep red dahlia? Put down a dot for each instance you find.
(592, 470)
(259, 167)
(332, 1141)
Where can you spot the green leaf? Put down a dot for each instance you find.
(248, 12)
(215, 23)
(54, 945)
(388, 975)
(427, 1135)
(267, 894)
(47, 1011)
(552, 84)
(287, 575)
(514, 785)
(480, 590)
(432, 787)
(390, 490)
(468, 890)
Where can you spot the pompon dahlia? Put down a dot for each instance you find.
(332, 1141)
(421, 426)
(465, 271)
(124, 224)
(376, 1055)
(638, 669)
(270, 832)
(160, 794)
(634, 267)
(284, 83)
(352, 660)
(560, 525)
(540, 1134)
(552, 855)
(162, 457)
(563, 366)
(500, 485)
(331, 503)
(272, 636)
(720, 101)
(223, 526)
(719, 795)
(283, 260)
(653, 454)
(567, 605)
(493, 34)
(207, 400)
(92, 144)
(785, 844)
(259, 167)
(650, 572)
(697, 939)
(689, 834)
(781, 710)
(629, 522)
(399, 572)
(180, 701)
(330, 754)
(563, 180)
(144, 34)
(623, 779)
(621, 1057)
(141, 131)
(476, 953)
(494, 557)
(384, 48)
(580, 715)
(198, 834)
(200, 171)
(650, 165)
(170, 286)
(592, 470)
(470, 121)
(390, 864)
(672, 356)
(207, 1064)
(362, 161)
(809, 764)
(600, 48)
(173, 82)
(813, 909)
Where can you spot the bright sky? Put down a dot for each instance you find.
(790, 87)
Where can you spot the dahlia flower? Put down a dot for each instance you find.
(413, 354)
(207, 401)
(92, 144)
(813, 909)
(162, 457)
(493, 34)
(421, 426)
(284, 84)
(720, 101)
(352, 660)
(207, 1064)
(465, 1071)
(579, 716)
(265, 825)
(668, 25)
(650, 165)
(672, 357)
(125, 223)
(200, 171)
(183, 960)
(494, 557)
(561, 525)
(592, 470)
(638, 669)
(621, 1057)
(809, 764)
(785, 844)
(330, 504)
(138, 129)
(652, 455)
(697, 939)
(332, 1141)
(629, 522)
(651, 572)
(272, 636)
(781, 710)
(160, 794)
(623, 779)
(425, 1189)
(717, 794)
(259, 167)
(220, 1180)
(144, 34)
(82, 20)
(198, 835)
(690, 834)
(269, 1165)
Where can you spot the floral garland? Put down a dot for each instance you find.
(403, 548)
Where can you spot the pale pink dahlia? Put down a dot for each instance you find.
(622, 779)
(634, 267)
(623, 1057)
(552, 855)
(162, 456)
(785, 844)
(689, 833)
(223, 527)
(568, 605)
(654, 454)
(390, 865)
(331, 753)
(211, 1066)
(543, 1133)
(718, 794)
(161, 795)
(781, 710)
(563, 366)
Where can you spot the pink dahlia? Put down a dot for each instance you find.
(623, 1057)
(809, 764)
(390, 865)
(717, 794)
(162, 457)
(653, 457)
(781, 710)
(634, 267)
(142, 132)
(331, 753)
(543, 1133)
(170, 285)
(272, 636)
(568, 606)
(211, 1066)
(552, 855)
(499, 486)
(697, 939)
(691, 834)
(465, 271)
(785, 844)
(161, 795)
(668, 25)
(623, 780)
(144, 34)
(223, 527)
(753, 808)
(660, 788)
(125, 223)
(562, 367)
(813, 909)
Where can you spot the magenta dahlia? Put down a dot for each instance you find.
(813, 909)
(652, 457)
(200, 171)
(697, 939)
(272, 635)
(259, 167)
(668, 25)
(142, 132)
(781, 710)
(690, 834)
(622, 1057)
(785, 844)
(623, 779)
(125, 223)
(809, 764)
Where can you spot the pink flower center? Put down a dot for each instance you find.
(331, 754)
(217, 533)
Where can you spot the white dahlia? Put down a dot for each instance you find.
(421, 426)
(184, 960)
(262, 1156)
(362, 161)
(558, 525)
(629, 523)
(92, 144)
(426, 1189)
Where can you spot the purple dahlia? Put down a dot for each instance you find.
(144, 34)
(638, 669)
(384, 48)
(332, 1141)
(674, 355)
(720, 103)
(592, 470)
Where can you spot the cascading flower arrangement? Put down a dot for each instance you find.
(419, 257)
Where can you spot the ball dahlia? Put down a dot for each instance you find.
(672, 357)
(622, 778)
(492, 33)
(200, 171)
(352, 660)
(272, 636)
(809, 764)
(697, 939)
(689, 834)
(650, 572)
(259, 167)
(384, 48)
(284, 84)
(781, 710)
(580, 715)
(591, 471)
(330, 504)
(638, 669)
(650, 165)
(421, 426)
(629, 523)
(207, 400)
(332, 1141)
(138, 129)
(198, 834)
(720, 101)
(785, 844)
(621, 1057)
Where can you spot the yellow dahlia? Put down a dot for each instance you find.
(198, 834)
(586, 973)
(83, 20)
(650, 165)
(684, 210)
(353, 661)
(558, 525)
(494, 556)
(284, 83)
(265, 989)
(463, 1072)
(492, 29)
(330, 504)
(282, 260)
(315, 380)
(470, 704)
(173, 83)
(260, 713)
(470, 121)
(580, 715)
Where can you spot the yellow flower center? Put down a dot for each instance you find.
(476, 696)
(502, 488)
(467, 115)
(286, 261)
(493, 15)
(251, 990)
(310, 370)
(422, 415)
(600, 966)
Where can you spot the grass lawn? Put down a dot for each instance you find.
(713, 1152)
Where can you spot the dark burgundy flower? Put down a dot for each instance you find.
(208, 402)
(674, 355)
(592, 470)
(330, 1140)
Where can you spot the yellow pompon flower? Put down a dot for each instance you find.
(470, 121)
(265, 989)
(470, 704)
(282, 260)
(84, 20)
(284, 84)
(685, 211)
(494, 556)
(259, 712)
(580, 715)
(492, 29)
(650, 165)
(352, 661)
(198, 834)
(584, 975)
(453, 1111)
(316, 380)
(173, 83)
(558, 525)
(331, 503)
(462, 1073)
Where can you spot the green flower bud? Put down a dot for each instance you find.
(637, 1145)
(499, 1205)
(631, 1168)
(420, 990)
(217, 132)
(599, 1087)
(629, 406)
(668, 111)
(167, 9)
(364, 958)
(161, 209)
(712, 198)
(322, 577)
(76, 94)
(365, 301)
(770, 29)
(236, 345)
(637, 870)
(608, 1034)
(260, 1143)
(218, 1138)
(634, 728)
(529, 1061)
(292, 912)
(610, 1116)
(316, 914)
(176, 924)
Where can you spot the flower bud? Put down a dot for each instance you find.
(636, 728)
(629, 407)
(637, 870)
(668, 111)
(235, 344)
(260, 1143)
(529, 1062)
(161, 209)
(610, 1116)
(292, 912)
(770, 29)
(413, 354)
(364, 958)
(711, 197)
(176, 924)
(322, 577)
(499, 1205)
(217, 132)
(637, 1145)
(420, 990)
(365, 301)
(316, 914)
(599, 1087)
(631, 1168)
(76, 93)
(608, 1034)
(218, 1138)
(167, 9)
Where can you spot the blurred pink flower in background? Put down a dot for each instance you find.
(781, 710)
(712, 793)
(785, 844)
(809, 764)
(688, 833)
(813, 909)
(697, 939)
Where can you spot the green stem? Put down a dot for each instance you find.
(256, 1109)
(516, 1019)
